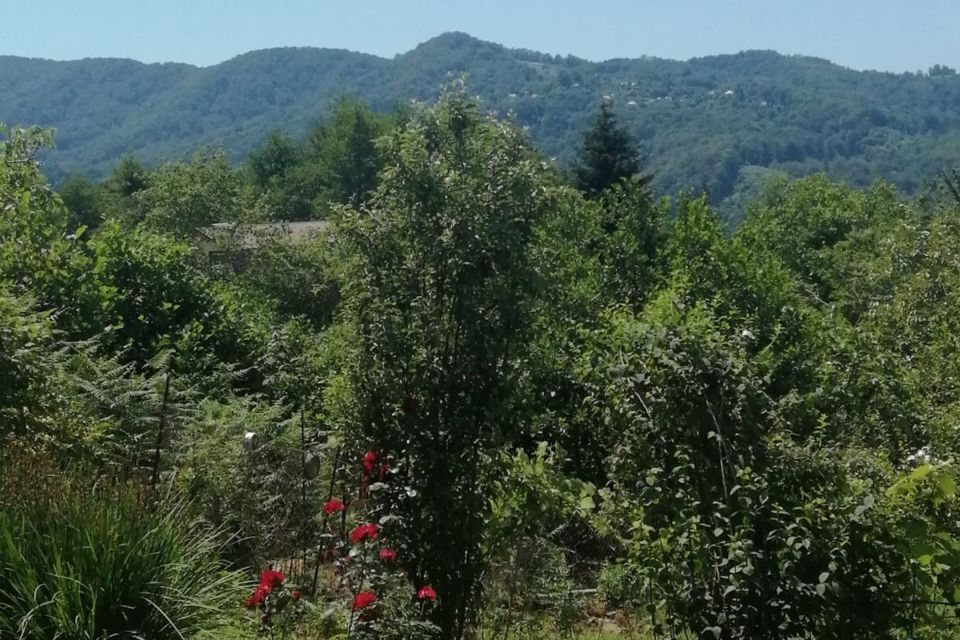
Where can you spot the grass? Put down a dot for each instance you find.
(90, 565)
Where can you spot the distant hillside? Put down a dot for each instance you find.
(716, 122)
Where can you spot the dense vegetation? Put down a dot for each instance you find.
(478, 402)
(720, 123)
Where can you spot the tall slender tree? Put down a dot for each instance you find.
(438, 294)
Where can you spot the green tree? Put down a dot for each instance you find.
(950, 181)
(633, 225)
(437, 291)
(85, 202)
(607, 156)
(278, 169)
(129, 177)
(344, 152)
(182, 197)
(273, 159)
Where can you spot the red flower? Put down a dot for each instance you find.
(370, 459)
(333, 506)
(295, 594)
(427, 593)
(258, 596)
(364, 532)
(388, 555)
(271, 579)
(363, 600)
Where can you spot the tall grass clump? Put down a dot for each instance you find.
(95, 564)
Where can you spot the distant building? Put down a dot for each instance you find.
(228, 244)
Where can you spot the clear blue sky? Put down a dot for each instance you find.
(895, 35)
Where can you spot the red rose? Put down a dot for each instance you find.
(332, 506)
(271, 579)
(426, 593)
(258, 596)
(295, 594)
(388, 555)
(364, 532)
(370, 459)
(363, 600)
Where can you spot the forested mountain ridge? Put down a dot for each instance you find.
(720, 122)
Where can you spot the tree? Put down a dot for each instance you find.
(278, 170)
(84, 200)
(129, 177)
(632, 224)
(343, 150)
(950, 180)
(938, 70)
(437, 292)
(608, 155)
(272, 160)
(182, 197)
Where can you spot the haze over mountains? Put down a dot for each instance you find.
(721, 123)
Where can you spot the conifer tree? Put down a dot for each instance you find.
(608, 155)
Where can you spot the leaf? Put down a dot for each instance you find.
(921, 472)
(824, 576)
(947, 486)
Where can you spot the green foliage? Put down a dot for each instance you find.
(532, 497)
(336, 163)
(344, 152)
(84, 201)
(299, 275)
(633, 226)
(32, 218)
(803, 221)
(180, 198)
(129, 177)
(254, 492)
(26, 337)
(94, 564)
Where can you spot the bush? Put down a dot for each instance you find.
(620, 585)
(87, 565)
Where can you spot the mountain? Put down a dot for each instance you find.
(717, 122)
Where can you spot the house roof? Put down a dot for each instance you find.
(249, 236)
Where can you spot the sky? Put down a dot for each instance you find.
(889, 35)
